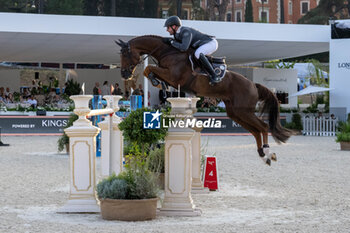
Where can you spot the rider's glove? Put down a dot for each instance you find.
(167, 40)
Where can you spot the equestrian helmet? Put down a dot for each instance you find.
(173, 20)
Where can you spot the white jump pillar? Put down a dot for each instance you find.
(197, 184)
(178, 167)
(111, 140)
(82, 147)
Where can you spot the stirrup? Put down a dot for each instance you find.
(213, 81)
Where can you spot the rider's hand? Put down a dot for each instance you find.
(167, 40)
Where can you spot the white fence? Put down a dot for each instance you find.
(319, 126)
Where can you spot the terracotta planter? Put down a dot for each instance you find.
(345, 145)
(128, 210)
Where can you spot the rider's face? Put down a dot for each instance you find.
(171, 30)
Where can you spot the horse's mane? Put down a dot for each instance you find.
(146, 36)
(169, 49)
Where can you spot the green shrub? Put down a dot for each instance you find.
(296, 122)
(156, 159)
(343, 137)
(285, 110)
(133, 131)
(344, 132)
(72, 88)
(64, 139)
(135, 182)
(113, 188)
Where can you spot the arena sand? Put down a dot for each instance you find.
(306, 190)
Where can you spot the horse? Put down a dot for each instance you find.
(239, 94)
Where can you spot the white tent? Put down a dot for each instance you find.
(306, 69)
(310, 90)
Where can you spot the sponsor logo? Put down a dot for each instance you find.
(345, 65)
(54, 123)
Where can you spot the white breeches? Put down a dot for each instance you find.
(207, 48)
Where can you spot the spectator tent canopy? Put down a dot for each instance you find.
(90, 39)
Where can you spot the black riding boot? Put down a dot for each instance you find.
(153, 79)
(209, 68)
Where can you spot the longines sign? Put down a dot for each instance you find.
(345, 65)
(33, 125)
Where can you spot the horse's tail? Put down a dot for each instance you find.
(270, 106)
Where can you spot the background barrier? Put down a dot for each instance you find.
(319, 126)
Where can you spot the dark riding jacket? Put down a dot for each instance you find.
(186, 37)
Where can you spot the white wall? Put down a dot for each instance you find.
(339, 67)
(10, 78)
(284, 80)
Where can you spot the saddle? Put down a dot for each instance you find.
(218, 63)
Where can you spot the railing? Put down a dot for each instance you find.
(319, 126)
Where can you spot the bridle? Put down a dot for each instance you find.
(126, 49)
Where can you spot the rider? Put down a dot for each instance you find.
(186, 37)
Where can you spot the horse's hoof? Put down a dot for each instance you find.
(268, 162)
(273, 157)
(153, 79)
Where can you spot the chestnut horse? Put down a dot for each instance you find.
(239, 94)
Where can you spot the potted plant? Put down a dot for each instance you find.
(72, 88)
(132, 195)
(63, 141)
(150, 141)
(343, 136)
(156, 163)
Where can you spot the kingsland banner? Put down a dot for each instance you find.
(339, 67)
(33, 125)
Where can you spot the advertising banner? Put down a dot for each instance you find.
(339, 67)
(33, 125)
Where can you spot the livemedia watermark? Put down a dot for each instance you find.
(156, 120)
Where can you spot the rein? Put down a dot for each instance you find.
(150, 54)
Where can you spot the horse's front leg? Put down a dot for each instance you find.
(154, 72)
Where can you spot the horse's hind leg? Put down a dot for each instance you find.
(238, 118)
(263, 127)
(266, 147)
(257, 135)
(263, 150)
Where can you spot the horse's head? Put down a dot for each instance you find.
(129, 59)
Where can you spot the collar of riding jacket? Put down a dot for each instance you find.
(179, 29)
